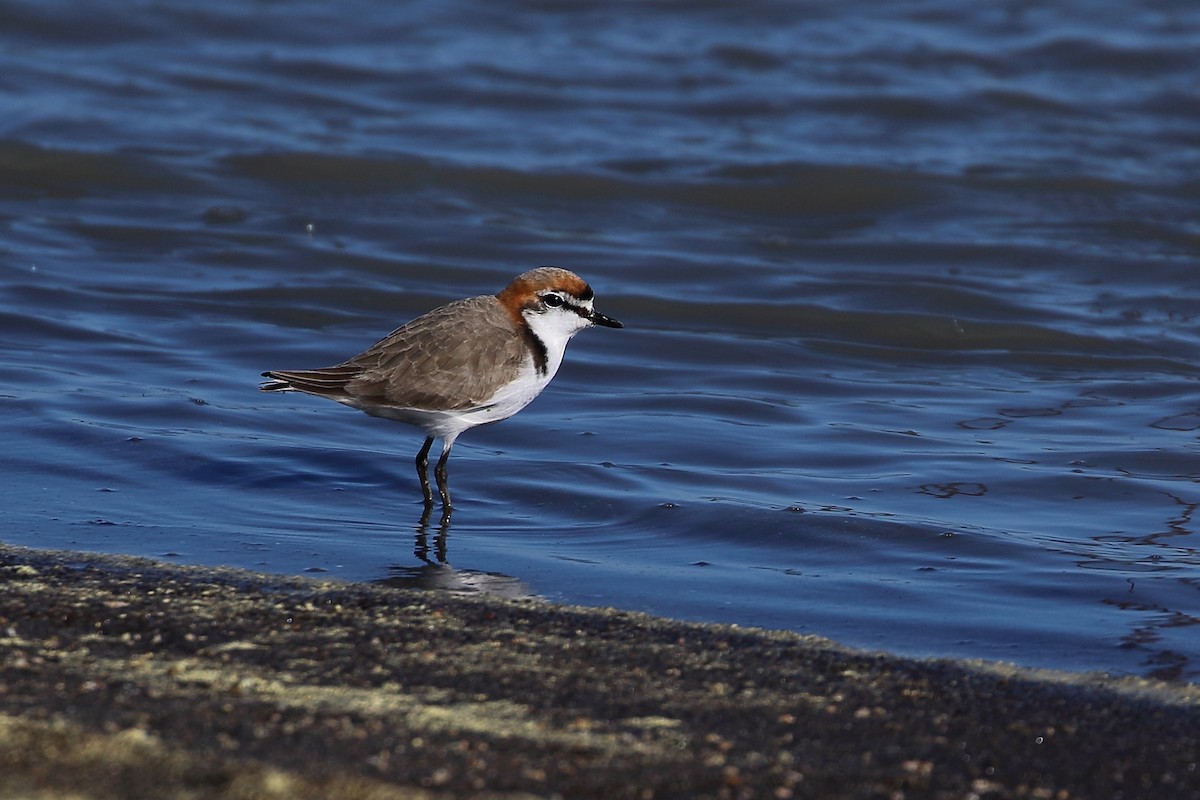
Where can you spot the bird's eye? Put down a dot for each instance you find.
(552, 300)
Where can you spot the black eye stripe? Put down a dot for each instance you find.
(556, 300)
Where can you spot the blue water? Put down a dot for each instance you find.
(911, 356)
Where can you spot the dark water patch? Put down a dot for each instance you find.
(741, 56)
(29, 170)
(58, 24)
(893, 107)
(771, 189)
(1091, 56)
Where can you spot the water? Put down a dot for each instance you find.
(910, 295)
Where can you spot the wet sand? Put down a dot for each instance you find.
(137, 679)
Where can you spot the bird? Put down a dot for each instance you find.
(470, 362)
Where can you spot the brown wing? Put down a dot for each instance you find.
(427, 363)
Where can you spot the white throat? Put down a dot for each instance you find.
(554, 327)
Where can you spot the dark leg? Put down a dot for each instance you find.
(439, 472)
(423, 473)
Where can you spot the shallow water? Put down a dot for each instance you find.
(911, 345)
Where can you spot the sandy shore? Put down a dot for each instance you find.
(136, 679)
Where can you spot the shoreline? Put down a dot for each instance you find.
(126, 677)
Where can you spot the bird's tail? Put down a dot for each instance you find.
(326, 382)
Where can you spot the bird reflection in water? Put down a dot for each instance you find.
(434, 572)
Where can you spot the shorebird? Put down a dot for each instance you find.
(467, 363)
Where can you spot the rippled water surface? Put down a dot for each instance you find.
(911, 356)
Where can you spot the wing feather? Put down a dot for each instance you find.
(429, 363)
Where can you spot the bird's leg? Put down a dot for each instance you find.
(423, 473)
(439, 472)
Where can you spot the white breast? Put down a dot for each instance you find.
(554, 329)
(508, 400)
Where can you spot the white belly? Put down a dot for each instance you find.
(503, 404)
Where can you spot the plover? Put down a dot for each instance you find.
(467, 363)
